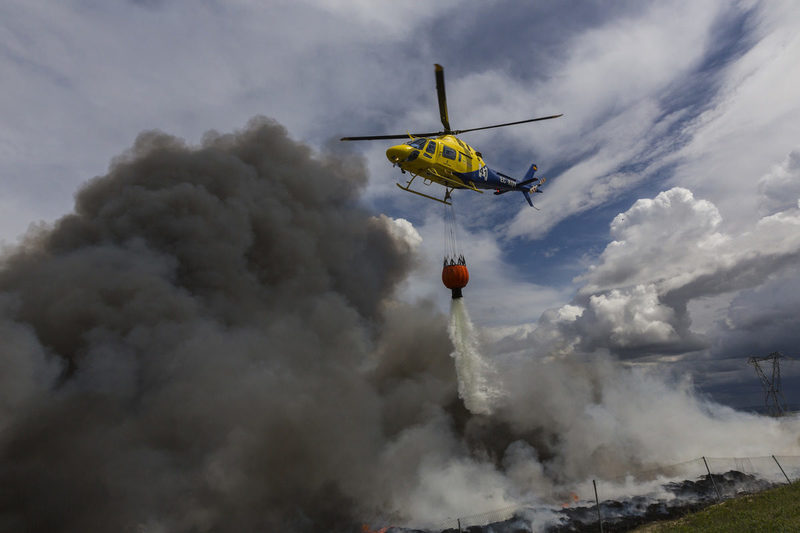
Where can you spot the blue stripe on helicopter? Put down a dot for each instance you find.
(486, 178)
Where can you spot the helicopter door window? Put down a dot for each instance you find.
(431, 148)
(426, 154)
(448, 152)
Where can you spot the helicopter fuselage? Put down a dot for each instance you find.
(441, 157)
(449, 161)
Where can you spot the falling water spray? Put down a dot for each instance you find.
(475, 374)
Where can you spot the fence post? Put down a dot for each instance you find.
(782, 472)
(596, 499)
(711, 477)
(458, 521)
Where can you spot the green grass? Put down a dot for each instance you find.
(774, 510)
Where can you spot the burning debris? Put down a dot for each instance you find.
(688, 496)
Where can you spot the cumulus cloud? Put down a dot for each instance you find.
(634, 318)
(779, 189)
(657, 240)
(666, 253)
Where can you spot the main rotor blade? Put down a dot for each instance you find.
(437, 133)
(456, 132)
(440, 93)
(403, 136)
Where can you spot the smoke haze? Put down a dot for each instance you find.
(211, 342)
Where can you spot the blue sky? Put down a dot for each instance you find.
(669, 232)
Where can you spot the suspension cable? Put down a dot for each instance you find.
(452, 251)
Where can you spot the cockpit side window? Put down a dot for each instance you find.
(431, 148)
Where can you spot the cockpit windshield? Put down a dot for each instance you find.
(417, 143)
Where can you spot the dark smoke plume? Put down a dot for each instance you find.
(208, 343)
(211, 342)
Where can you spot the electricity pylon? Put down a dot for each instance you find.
(773, 397)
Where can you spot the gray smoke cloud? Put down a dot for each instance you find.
(207, 343)
(211, 342)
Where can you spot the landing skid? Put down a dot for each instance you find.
(408, 188)
(446, 196)
(449, 186)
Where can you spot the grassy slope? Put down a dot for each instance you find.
(770, 511)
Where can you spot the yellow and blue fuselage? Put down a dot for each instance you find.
(450, 162)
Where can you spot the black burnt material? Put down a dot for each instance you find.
(628, 514)
(690, 496)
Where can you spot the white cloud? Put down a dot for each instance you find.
(674, 241)
(667, 253)
(613, 89)
(610, 91)
(633, 318)
(779, 189)
(82, 80)
(378, 18)
(595, 179)
(657, 239)
(753, 122)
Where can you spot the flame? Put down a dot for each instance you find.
(366, 529)
(574, 499)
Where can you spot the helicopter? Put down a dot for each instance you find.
(442, 158)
